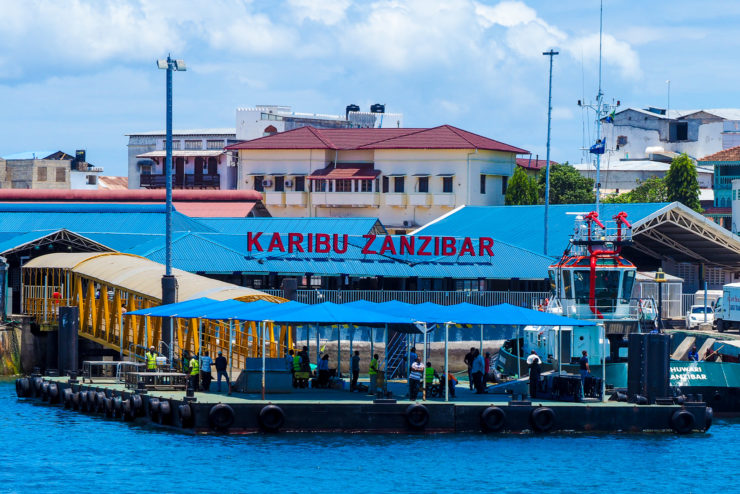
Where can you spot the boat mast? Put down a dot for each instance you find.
(599, 107)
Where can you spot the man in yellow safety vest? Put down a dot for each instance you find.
(151, 360)
(373, 373)
(194, 372)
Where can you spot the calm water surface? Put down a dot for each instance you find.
(49, 449)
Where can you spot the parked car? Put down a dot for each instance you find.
(695, 316)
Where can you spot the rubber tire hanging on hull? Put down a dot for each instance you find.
(67, 397)
(53, 393)
(708, 418)
(153, 408)
(492, 419)
(45, 391)
(683, 421)
(186, 415)
(272, 418)
(164, 412)
(542, 419)
(417, 416)
(221, 417)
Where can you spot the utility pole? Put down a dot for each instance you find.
(169, 283)
(550, 54)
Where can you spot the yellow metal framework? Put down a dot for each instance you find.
(102, 307)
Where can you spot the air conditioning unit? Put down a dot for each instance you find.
(289, 183)
(267, 183)
(406, 223)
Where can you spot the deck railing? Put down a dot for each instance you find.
(316, 296)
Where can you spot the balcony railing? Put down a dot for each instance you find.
(344, 198)
(187, 181)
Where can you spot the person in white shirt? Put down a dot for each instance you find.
(417, 371)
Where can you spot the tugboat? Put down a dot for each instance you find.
(591, 281)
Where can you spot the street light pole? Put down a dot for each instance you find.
(550, 54)
(169, 283)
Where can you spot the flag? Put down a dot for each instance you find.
(599, 147)
(610, 117)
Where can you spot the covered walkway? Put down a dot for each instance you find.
(105, 286)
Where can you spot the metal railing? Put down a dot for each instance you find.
(316, 296)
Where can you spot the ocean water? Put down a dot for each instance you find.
(48, 449)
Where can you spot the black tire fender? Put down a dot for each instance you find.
(708, 418)
(117, 406)
(683, 421)
(542, 419)
(127, 413)
(271, 418)
(221, 416)
(82, 402)
(76, 400)
(18, 388)
(492, 419)
(100, 401)
(136, 404)
(53, 393)
(37, 383)
(164, 410)
(91, 405)
(186, 414)
(45, 391)
(67, 395)
(153, 407)
(26, 386)
(109, 409)
(417, 416)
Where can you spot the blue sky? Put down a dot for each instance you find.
(81, 74)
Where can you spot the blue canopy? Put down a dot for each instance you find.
(360, 312)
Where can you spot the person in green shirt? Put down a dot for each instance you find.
(194, 372)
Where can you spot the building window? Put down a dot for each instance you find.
(366, 185)
(214, 144)
(193, 144)
(386, 184)
(482, 184)
(424, 184)
(258, 186)
(504, 184)
(344, 185)
(300, 184)
(92, 179)
(447, 185)
(41, 174)
(322, 186)
(175, 144)
(398, 184)
(146, 169)
(279, 184)
(62, 175)
(269, 130)
(678, 131)
(621, 140)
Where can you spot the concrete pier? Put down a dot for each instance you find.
(337, 411)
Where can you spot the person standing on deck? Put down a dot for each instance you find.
(479, 365)
(468, 359)
(417, 370)
(412, 358)
(355, 368)
(221, 371)
(693, 354)
(487, 372)
(585, 368)
(194, 372)
(205, 371)
(373, 372)
(533, 361)
(429, 375)
(151, 360)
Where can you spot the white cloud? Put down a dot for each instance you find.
(562, 113)
(615, 52)
(507, 14)
(329, 12)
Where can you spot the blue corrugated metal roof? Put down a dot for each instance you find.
(523, 226)
(93, 218)
(219, 253)
(350, 226)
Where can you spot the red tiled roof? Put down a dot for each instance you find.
(345, 172)
(534, 164)
(214, 209)
(731, 154)
(442, 137)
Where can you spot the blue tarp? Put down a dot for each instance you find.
(361, 312)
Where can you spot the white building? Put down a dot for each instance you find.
(48, 170)
(635, 132)
(265, 120)
(404, 177)
(199, 159)
(623, 176)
